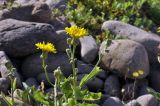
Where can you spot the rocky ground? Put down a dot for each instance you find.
(32, 22)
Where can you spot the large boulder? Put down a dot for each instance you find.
(124, 57)
(18, 38)
(53, 61)
(149, 40)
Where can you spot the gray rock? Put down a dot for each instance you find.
(149, 40)
(41, 12)
(2, 2)
(112, 101)
(94, 84)
(84, 68)
(26, 35)
(89, 49)
(53, 61)
(132, 103)
(25, 2)
(42, 77)
(4, 85)
(5, 71)
(147, 100)
(61, 44)
(124, 57)
(31, 82)
(60, 4)
(112, 86)
(59, 23)
(13, 13)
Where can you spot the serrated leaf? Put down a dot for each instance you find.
(88, 77)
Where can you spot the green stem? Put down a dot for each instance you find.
(55, 93)
(74, 70)
(12, 92)
(45, 69)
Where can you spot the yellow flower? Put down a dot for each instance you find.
(135, 74)
(141, 72)
(46, 47)
(76, 32)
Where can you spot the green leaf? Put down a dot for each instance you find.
(87, 95)
(14, 84)
(85, 104)
(40, 97)
(88, 77)
(154, 93)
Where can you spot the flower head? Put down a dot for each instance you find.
(135, 74)
(46, 47)
(141, 72)
(76, 32)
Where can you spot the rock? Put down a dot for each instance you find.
(147, 100)
(84, 68)
(124, 57)
(94, 84)
(25, 2)
(41, 12)
(154, 80)
(5, 71)
(60, 4)
(31, 82)
(112, 86)
(142, 87)
(4, 85)
(112, 101)
(13, 13)
(2, 2)
(89, 49)
(59, 23)
(42, 77)
(61, 44)
(132, 103)
(149, 40)
(53, 61)
(26, 35)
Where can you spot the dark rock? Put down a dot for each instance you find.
(147, 100)
(94, 84)
(41, 12)
(112, 86)
(53, 61)
(26, 35)
(112, 101)
(149, 40)
(42, 77)
(14, 13)
(31, 82)
(61, 44)
(124, 57)
(84, 68)
(4, 85)
(89, 49)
